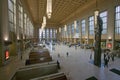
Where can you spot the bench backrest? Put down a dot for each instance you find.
(38, 71)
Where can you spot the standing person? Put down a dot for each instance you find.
(67, 54)
(91, 55)
(58, 64)
(104, 56)
(58, 55)
(112, 56)
(107, 57)
(105, 62)
(92, 50)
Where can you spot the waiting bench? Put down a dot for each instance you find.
(40, 64)
(56, 76)
(38, 57)
(33, 72)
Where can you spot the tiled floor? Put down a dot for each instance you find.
(76, 66)
(7, 71)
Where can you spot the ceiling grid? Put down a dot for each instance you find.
(61, 9)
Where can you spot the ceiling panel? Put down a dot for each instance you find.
(61, 9)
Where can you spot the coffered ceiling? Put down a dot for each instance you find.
(61, 9)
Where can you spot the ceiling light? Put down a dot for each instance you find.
(65, 28)
(44, 20)
(59, 29)
(49, 8)
(96, 14)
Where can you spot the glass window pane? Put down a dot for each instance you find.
(117, 20)
(91, 25)
(10, 5)
(103, 16)
(11, 26)
(10, 16)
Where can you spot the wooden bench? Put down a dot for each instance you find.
(38, 65)
(41, 60)
(39, 54)
(33, 72)
(38, 57)
(55, 76)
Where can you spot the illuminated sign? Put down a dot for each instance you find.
(109, 45)
(6, 54)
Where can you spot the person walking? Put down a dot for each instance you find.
(67, 54)
(58, 55)
(104, 56)
(58, 64)
(107, 57)
(90, 55)
(92, 50)
(112, 57)
(106, 63)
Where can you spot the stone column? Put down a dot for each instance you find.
(5, 19)
(87, 31)
(75, 25)
(4, 29)
(111, 25)
(1, 40)
(36, 33)
(80, 33)
(17, 21)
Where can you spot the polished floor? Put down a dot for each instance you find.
(77, 65)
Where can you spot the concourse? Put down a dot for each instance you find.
(59, 39)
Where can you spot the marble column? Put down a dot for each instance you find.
(4, 33)
(1, 40)
(111, 25)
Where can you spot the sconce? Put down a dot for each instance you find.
(109, 38)
(7, 42)
(18, 40)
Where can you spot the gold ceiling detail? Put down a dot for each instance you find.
(61, 9)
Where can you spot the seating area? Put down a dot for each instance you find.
(39, 66)
(36, 71)
(59, 39)
(38, 55)
(55, 76)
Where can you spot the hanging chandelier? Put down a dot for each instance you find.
(43, 24)
(49, 8)
(44, 20)
(96, 13)
(59, 29)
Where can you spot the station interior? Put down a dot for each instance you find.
(59, 39)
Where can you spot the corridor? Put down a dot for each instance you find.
(77, 65)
